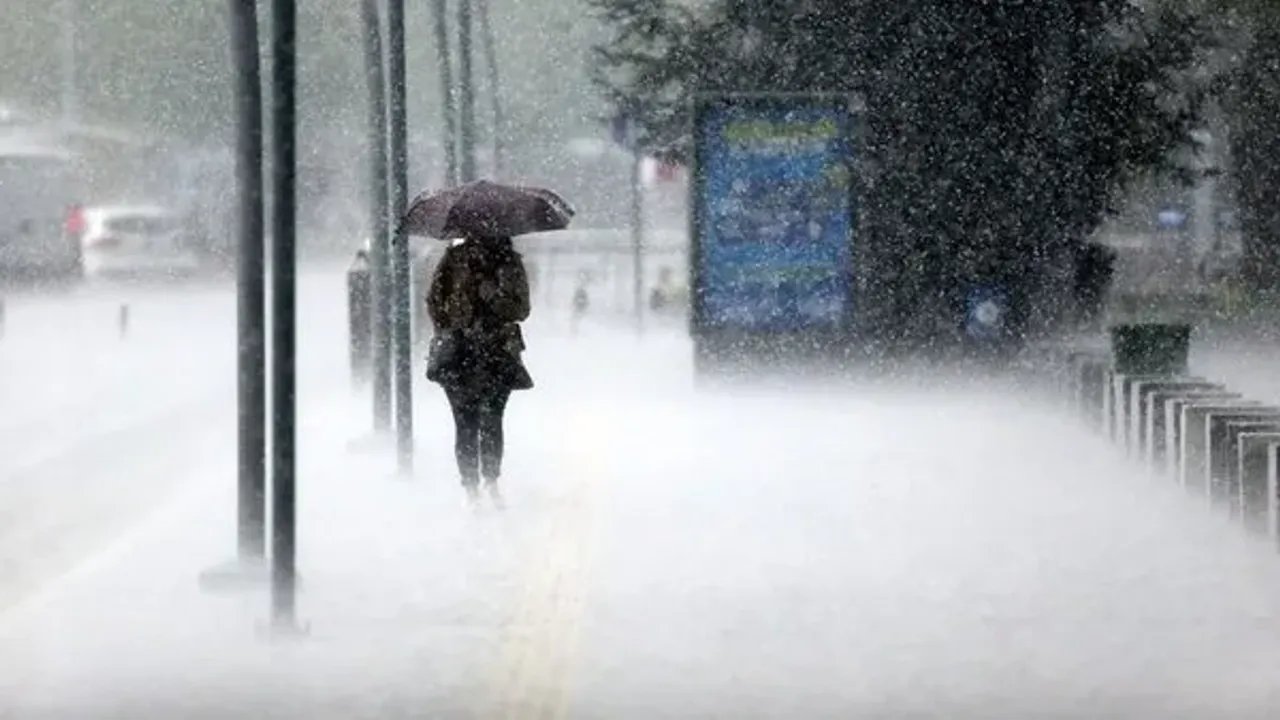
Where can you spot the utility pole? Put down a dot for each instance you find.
(283, 326)
(448, 91)
(70, 63)
(401, 283)
(250, 286)
(378, 201)
(467, 94)
(637, 225)
(495, 90)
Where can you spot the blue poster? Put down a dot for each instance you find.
(775, 215)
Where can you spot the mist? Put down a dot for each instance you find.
(832, 406)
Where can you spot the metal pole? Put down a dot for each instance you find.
(70, 65)
(467, 93)
(637, 233)
(448, 91)
(283, 329)
(495, 89)
(250, 287)
(378, 259)
(358, 316)
(401, 283)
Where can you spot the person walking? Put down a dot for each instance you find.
(478, 297)
(581, 302)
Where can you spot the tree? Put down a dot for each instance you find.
(1252, 102)
(998, 134)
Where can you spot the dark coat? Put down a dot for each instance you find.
(480, 292)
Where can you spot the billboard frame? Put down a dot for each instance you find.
(712, 341)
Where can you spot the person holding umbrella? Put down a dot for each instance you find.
(478, 297)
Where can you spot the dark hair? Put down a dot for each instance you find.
(495, 246)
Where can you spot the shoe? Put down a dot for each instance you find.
(495, 494)
(473, 495)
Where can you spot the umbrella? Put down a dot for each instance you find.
(486, 209)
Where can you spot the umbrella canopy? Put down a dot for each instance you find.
(486, 209)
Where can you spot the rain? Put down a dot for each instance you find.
(884, 359)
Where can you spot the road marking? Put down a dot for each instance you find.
(539, 650)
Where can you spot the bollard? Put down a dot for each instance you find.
(1194, 457)
(1117, 404)
(1126, 406)
(122, 320)
(1227, 459)
(1175, 430)
(359, 319)
(1156, 443)
(1220, 451)
(1251, 475)
(1140, 407)
(1252, 457)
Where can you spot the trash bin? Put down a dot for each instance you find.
(1150, 348)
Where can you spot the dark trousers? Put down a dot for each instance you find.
(478, 443)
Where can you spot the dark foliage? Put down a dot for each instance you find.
(1253, 103)
(998, 134)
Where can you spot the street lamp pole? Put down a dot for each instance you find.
(400, 281)
(637, 227)
(448, 92)
(467, 94)
(495, 89)
(250, 285)
(284, 308)
(378, 204)
(69, 62)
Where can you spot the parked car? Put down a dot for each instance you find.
(38, 186)
(135, 240)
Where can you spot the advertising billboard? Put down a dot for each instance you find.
(774, 216)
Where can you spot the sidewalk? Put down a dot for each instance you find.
(395, 581)
(816, 552)
(417, 605)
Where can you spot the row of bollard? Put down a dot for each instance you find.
(1215, 443)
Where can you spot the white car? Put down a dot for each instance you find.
(135, 240)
